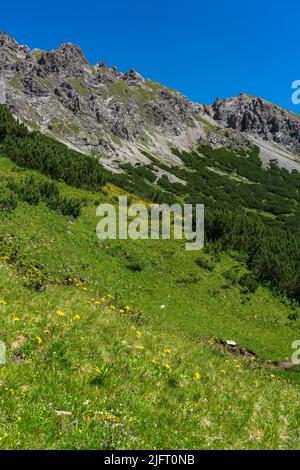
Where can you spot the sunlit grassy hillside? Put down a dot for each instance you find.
(115, 344)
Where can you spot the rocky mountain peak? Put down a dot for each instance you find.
(11, 51)
(97, 109)
(132, 76)
(6, 40)
(253, 115)
(66, 56)
(72, 52)
(122, 116)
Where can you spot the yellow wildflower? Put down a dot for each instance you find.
(76, 317)
(16, 318)
(39, 339)
(138, 334)
(127, 308)
(167, 366)
(197, 376)
(140, 347)
(121, 311)
(60, 313)
(2, 302)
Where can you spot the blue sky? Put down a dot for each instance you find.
(204, 49)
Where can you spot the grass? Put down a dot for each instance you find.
(57, 126)
(74, 127)
(158, 87)
(208, 127)
(141, 93)
(78, 85)
(33, 125)
(16, 82)
(120, 89)
(128, 373)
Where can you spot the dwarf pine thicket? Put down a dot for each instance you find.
(33, 190)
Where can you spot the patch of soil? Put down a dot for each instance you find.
(234, 349)
(244, 354)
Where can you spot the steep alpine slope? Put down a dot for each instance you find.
(124, 118)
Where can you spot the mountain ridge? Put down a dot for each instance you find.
(123, 117)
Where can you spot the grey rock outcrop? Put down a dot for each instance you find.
(259, 118)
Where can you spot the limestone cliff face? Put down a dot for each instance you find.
(259, 118)
(123, 117)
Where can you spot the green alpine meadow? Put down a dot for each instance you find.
(121, 344)
(116, 343)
